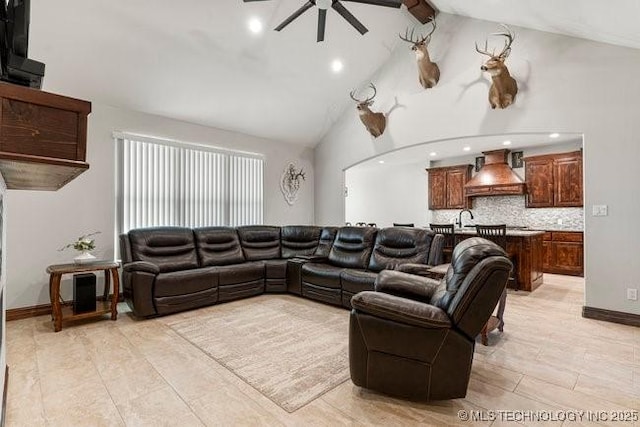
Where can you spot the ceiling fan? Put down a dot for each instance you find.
(323, 6)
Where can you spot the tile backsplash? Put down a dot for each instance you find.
(511, 210)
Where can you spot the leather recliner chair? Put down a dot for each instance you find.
(414, 337)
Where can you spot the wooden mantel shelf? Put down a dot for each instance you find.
(43, 138)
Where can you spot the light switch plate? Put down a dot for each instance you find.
(600, 210)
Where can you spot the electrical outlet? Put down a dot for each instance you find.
(600, 210)
(632, 294)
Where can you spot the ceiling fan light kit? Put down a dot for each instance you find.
(324, 5)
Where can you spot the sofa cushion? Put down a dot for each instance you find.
(319, 274)
(170, 248)
(299, 240)
(352, 247)
(260, 242)
(327, 236)
(184, 282)
(240, 273)
(275, 268)
(355, 281)
(400, 245)
(218, 246)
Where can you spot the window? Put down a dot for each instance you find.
(167, 183)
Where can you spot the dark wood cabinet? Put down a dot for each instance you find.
(43, 138)
(446, 187)
(554, 180)
(563, 253)
(567, 173)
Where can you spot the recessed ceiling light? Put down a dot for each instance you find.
(433, 153)
(336, 66)
(506, 143)
(255, 25)
(381, 161)
(467, 148)
(554, 135)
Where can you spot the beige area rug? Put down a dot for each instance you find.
(290, 349)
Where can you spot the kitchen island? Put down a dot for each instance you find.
(525, 248)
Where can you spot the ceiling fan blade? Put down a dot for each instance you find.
(308, 5)
(349, 17)
(386, 3)
(322, 23)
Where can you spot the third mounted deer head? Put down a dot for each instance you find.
(504, 88)
(374, 122)
(428, 72)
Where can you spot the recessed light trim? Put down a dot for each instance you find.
(255, 26)
(381, 162)
(554, 135)
(506, 142)
(337, 66)
(433, 153)
(467, 148)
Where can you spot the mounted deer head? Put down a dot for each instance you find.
(428, 72)
(504, 88)
(374, 122)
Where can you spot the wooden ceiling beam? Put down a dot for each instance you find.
(422, 10)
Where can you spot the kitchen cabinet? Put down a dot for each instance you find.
(554, 180)
(526, 249)
(446, 187)
(43, 138)
(563, 252)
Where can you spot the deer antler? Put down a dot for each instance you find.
(366, 101)
(506, 50)
(420, 39)
(408, 38)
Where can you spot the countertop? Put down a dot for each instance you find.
(514, 233)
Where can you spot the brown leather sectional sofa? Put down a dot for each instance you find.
(171, 269)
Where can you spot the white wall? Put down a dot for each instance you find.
(39, 223)
(385, 194)
(566, 85)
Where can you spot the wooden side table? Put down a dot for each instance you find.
(63, 311)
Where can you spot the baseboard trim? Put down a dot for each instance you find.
(26, 312)
(37, 310)
(611, 316)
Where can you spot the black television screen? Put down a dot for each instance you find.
(15, 65)
(18, 16)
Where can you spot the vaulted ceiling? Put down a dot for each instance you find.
(197, 61)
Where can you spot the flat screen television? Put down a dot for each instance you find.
(15, 65)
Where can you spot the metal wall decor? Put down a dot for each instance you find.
(479, 163)
(290, 182)
(516, 159)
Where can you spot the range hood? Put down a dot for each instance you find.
(495, 178)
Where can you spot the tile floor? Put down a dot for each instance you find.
(141, 373)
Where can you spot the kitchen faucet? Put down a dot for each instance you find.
(460, 216)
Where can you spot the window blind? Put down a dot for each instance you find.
(166, 183)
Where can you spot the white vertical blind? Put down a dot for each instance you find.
(166, 183)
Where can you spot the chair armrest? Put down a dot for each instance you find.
(401, 310)
(145, 266)
(406, 285)
(411, 268)
(436, 251)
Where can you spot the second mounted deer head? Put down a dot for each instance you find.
(374, 122)
(428, 72)
(504, 88)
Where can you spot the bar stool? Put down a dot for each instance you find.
(498, 235)
(448, 231)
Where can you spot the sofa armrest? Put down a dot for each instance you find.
(401, 310)
(411, 268)
(406, 285)
(312, 258)
(144, 266)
